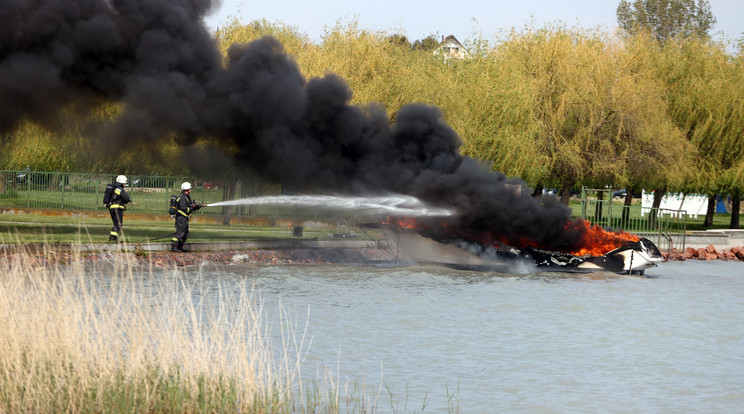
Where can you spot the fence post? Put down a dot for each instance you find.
(583, 202)
(28, 190)
(62, 185)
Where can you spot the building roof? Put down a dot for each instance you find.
(450, 48)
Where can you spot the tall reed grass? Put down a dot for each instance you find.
(116, 337)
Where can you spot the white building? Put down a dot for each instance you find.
(693, 204)
(450, 48)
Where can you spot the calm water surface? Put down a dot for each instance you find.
(437, 340)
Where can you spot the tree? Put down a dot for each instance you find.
(704, 94)
(399, 40)
(427, 44)
(666, 19)
(596, 114)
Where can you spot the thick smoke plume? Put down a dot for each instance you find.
(157, 58)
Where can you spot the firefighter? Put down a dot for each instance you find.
(184, 207)
(117, 205)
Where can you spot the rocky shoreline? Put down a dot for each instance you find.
(198, 258)
(708, 253)
(274, 257)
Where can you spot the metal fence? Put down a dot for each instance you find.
(150, 194)
(664, 227)
(74, 191)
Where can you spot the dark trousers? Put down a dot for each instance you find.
(117, 217)
(182, 231)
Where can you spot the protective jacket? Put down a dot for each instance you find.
(184, 207)
(120, 197)
(116, 208)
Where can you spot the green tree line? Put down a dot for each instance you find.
(558, 106)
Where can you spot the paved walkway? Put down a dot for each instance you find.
(721, 239)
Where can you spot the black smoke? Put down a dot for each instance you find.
(159, 61)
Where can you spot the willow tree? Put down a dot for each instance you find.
(588, 107)
(666, 19)
(77, 141)
(729, 126)
(541, 59)
(378, 70)
(233, 33)
(655, 151)
(720, 136)
(33, 146)
(704, 97)
(491, 105)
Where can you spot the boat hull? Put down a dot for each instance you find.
(413, 248)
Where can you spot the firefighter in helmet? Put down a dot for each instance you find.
(184, 207)
(119, 199)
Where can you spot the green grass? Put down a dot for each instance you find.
(720, 220)
(155, 201)
(87, 228)
(40, 228)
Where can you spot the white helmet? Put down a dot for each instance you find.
(122, 179)
(186, 186)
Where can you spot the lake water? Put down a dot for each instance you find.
(437, 340)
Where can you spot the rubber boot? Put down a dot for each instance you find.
(175, 248)
(180, 247)
(112, 239)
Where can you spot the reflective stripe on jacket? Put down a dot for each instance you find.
(120, 197)
(184, 204)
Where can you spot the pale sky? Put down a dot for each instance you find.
(461, 18)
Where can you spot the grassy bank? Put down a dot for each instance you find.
(109, 340)
(56, 226)
(43, 227)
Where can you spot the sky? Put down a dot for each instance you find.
(465, 19)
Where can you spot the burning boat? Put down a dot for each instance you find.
(605, 251)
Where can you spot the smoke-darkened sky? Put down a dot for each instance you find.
(159, 60)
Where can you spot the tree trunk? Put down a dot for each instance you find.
(537, 191)
(598, 208)
(658, 196)
(228, 193)
(625, 219)
(711, 211)
(566, 193)
(735, 208)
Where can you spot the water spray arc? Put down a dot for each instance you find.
(386, 205)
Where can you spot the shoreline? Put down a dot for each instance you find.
(709, 252)
(360, 254)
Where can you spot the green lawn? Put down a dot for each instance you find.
(720, 220)
(39, 228)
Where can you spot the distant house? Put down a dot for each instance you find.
(451, 48)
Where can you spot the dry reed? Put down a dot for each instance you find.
(113, 337)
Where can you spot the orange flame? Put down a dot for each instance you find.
(403, 222)
(597, 241)
(594, 240)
